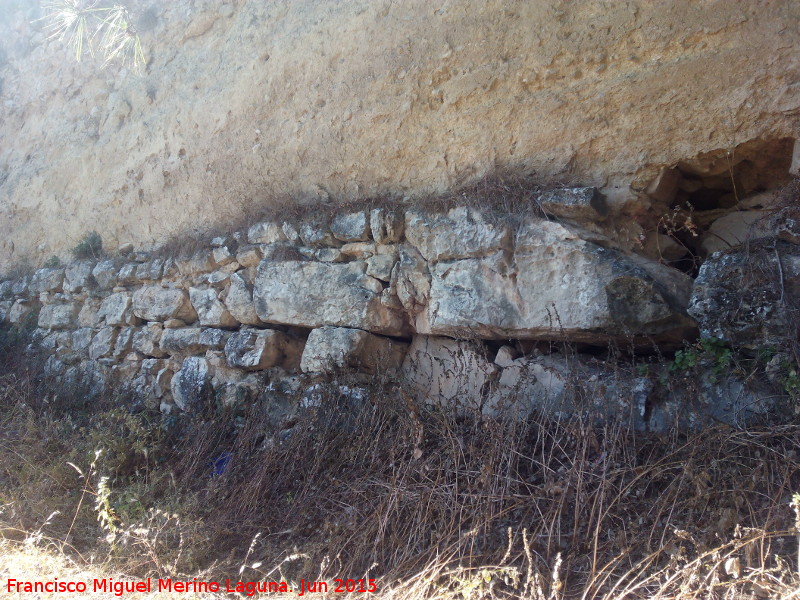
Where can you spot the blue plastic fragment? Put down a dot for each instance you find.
(220, 463)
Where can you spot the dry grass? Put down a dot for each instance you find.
(499, 196)
(431, 502)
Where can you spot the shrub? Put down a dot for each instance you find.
(91, 246)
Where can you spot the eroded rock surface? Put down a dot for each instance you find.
(316, 99)
(747, 296)
(311, 294)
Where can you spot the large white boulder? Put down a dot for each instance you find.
(556, 286)
(311, 294)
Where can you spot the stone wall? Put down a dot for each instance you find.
(457, 305)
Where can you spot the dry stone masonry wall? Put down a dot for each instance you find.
(458, 305)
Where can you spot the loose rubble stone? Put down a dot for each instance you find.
(154, 303)
(331, 348)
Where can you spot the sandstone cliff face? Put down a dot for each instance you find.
(246, 100)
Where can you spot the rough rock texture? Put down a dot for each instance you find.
(191, 384)
(154, 303)
(522, 281)
(556, 285)
(210, 310)
(461, 233)
(359, 98)
(239, 301)
(312, 294)
(58, 316)
(446, 371)
(332, 348)
(254, 350)
(747, 296)
(734, 229)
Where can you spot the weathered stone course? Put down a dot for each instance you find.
(423, 294)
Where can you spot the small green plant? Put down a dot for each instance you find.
(91, 246)
(86, 24)
(710, 350)
(790, 381)
(52, 262)
(685, 360)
